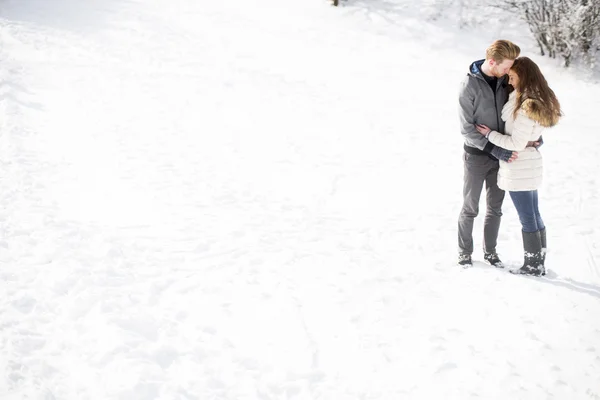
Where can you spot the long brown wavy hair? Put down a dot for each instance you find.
(533, 86)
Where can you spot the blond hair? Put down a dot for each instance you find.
(502, 50)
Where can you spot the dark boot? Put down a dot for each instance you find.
(544, 249)
(532, 246)
(493, 259)
(464, 260)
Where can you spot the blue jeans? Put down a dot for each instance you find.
(526, 204)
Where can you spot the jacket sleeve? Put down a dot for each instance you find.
(466, 102)
(517, 140)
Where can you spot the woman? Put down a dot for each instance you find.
(531, 107)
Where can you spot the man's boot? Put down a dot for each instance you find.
(464, 260)
(532, 246)
(493, 259)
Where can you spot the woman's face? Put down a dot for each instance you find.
(513, 79)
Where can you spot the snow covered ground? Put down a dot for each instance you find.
(258, 200)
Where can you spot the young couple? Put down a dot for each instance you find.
(505, 104)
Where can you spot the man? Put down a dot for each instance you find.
(482, 96)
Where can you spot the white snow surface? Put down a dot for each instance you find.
(258, 200)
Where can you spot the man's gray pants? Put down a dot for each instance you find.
(480, 169)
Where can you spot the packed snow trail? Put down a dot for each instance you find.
(254, 200)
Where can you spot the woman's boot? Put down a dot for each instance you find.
(532, 246)
(544, 250)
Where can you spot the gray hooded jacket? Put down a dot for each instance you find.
(479, 104)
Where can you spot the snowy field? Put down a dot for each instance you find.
(259, 200)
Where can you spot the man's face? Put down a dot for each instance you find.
(499, 70)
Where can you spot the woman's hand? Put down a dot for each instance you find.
(484, 130)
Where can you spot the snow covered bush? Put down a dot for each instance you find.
(562, 28)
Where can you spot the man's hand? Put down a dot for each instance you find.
(504, 155)
(537, 144)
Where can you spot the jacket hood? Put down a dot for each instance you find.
(475, 67)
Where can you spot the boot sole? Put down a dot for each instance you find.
(519, 272)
